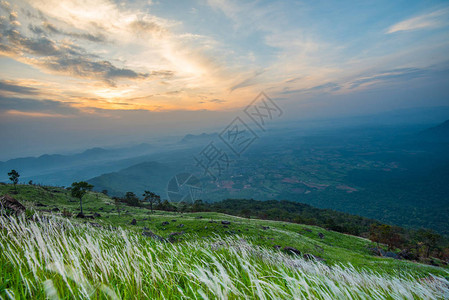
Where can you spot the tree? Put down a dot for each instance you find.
(429, 239)
(182, 207)
(374, 234)
(131, 199)
(246, 213)
(79, 189)
(198, 205)
(152, 198)
(165, 205)
(385, 234)
(105, 192)
(14, 177)
(117, 204)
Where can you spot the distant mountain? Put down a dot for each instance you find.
(151, 176)
(95, 151)
(59, 169)
(191, 138)
(437, 133)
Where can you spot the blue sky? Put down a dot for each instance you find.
(65, 62)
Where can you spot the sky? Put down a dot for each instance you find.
(84, 73)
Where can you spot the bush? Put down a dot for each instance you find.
(66, 213)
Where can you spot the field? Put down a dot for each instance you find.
(55, 258)
(198, 257)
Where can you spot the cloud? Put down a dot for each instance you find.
(104, 45)
(5, 6)
(18, 113)
(145, 26)
(217, 101)
(48, 28)
(84, 67)
(64, 57)
(30, 105)
(390, 75)
(323, 88)
(251, 80)
(10, 86)
(434, 19)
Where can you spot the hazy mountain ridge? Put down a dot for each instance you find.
(152, 176)
(315, 167)
(388, 175)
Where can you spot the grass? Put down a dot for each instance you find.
(54, 258)
(109, 258)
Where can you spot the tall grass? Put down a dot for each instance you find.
(53, 258)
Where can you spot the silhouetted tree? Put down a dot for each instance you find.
(14, 177)
(151, 198)
(79, 189)
(105, 192)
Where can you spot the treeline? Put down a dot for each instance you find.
(421, 245)
(150, 201)
(294, 212)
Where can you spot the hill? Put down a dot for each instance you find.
(439, 133)
(386, 173)
(155, 175)
(131, 252)
(57, 169)
(334, 248)
(395, 174)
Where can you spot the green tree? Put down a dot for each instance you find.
(198, 205)
(246, 213)
(182, 207)
(79, 189)
(131, 199)
(14, 177)
(385, 234)
(165, 205)
(117, 204)
(152, 198)
(429, 239)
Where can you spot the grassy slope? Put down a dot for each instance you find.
(335, 248)
(55, 258)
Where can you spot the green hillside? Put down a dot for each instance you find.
(333, 249)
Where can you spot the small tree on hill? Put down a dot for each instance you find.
(182, 207)
(385, 234)
(198, 205)
(152, 198)
(117, 204)
(14, 177)
(429, 240)
(165, 205)
(131, 199)
(79, 189)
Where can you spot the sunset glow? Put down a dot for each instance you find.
(88, 59)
